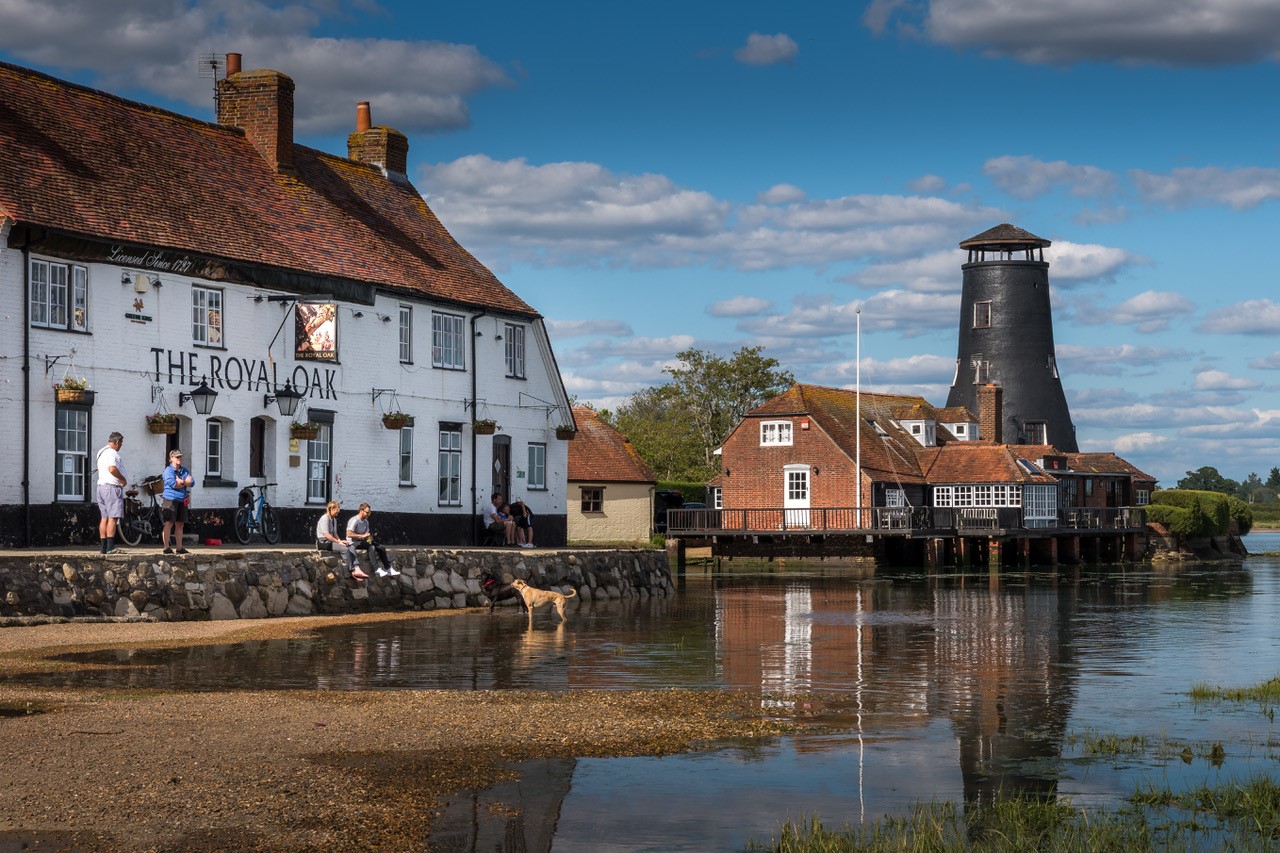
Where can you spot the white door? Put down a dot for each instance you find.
(795, 501)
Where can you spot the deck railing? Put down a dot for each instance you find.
(901, 520)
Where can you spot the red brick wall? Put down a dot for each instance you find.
(261, 104)
(380, 146)
(756, 477)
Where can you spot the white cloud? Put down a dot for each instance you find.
(1112, 361)
(1149, 311)
(1269, 362)
(1251, 317)
(412, 85)
(781, 194)
(1026, 177)
(938, 272)
(562, 329)
(910, 314)
(1220, 380)
(767, 50)
(1077, 263)
(927, 184)
(1164, 32)
(1133, 442)
(740, 306)
(1239, 189)
(563, 213)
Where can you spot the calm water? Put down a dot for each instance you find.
(948, 687)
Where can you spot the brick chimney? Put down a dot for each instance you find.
(261, 104)
(384, 147)
(991, 414)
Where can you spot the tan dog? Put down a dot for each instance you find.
(534, 597)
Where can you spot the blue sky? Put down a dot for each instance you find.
(671, 174)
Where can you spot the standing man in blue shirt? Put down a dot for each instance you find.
(177, 480)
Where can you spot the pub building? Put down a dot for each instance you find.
(283, 315)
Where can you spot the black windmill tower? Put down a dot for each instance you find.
(1006, 338)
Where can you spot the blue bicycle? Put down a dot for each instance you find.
(256, 515)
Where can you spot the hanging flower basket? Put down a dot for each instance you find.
(304, 431)
(162, 423)
(565, 433)
(484, 427)
(70, 395)
(395, 420)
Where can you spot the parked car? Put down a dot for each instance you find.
(663, 500)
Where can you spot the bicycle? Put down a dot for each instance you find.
(140, 521)
(257, 515)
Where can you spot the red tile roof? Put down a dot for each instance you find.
(601, 454)
(1103, 463)
(90, 164)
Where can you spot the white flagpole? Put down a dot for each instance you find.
(857, 426)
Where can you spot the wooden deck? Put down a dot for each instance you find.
(905, 522)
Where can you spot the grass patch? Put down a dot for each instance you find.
(1229, 817)
(1097, 743)
(1268, 692)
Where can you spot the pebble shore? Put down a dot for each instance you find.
(276, 770)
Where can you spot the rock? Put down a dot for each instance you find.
(304, 589)
(360, 593)
(222, 608)
(473, 586)
(70, 574)
(460, 600)
(443, 603)
(457, 583)
(63, 597)
(440, 580)
(299, 605)
(252, 607)
(584, 592)
(139, 599)
(277, 600)
(330, 578)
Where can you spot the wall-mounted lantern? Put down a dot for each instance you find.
(286, 398)
(202, 397)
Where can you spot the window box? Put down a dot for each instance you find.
(565, 433)
(395, 420)
(484, 427)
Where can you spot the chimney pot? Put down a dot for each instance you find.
(233, 64)
(363, 120)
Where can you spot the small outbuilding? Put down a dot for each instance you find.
(613, 486)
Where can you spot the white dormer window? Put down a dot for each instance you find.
(775, 433)
(925, 432)
(916, 429)
(960, 430)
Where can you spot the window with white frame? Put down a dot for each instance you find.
(213, 448)
(982, 315)
(536, 476)
(1040, 505)
(895, 497)
(798, 484)
(59, 296)
(717, 497)
(1142, 497)
(448, 341)
(514, 338)
(1035, 432)
(981, 372)
(592, 499)
(406, 455)
(71, 453)
(775, 433)
(406, 334)
(450, 465)
(319, 463)
(206, 316)
(978, 495)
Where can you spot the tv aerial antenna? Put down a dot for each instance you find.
(212, 66)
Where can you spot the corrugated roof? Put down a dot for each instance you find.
(601, 454)
(91, 164)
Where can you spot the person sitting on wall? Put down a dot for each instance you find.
(174, 501)
(497, 523)
(361, 539)
(327, 540)
(523, 518)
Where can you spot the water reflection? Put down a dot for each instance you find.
(953, 686)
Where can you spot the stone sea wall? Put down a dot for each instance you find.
(259, 584)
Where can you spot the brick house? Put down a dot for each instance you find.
(154, 254)
(798, 452)
(610, 487)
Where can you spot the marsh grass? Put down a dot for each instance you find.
(1097, 743)
(1230, 817)
(1266, 693)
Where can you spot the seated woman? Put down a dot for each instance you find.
(524, 524)
(327, 539)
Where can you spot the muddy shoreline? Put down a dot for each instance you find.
(292, 770)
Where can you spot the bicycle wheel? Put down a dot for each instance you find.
(270, 525)
(242, 525)
(129, 528)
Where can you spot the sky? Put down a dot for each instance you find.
(664, 175)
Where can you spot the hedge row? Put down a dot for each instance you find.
(689, 491)
(1193, 513)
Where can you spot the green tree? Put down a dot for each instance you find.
(662, 432)
(1207, 479)
(719, 391)
(1273, 480)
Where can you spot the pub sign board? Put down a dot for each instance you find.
(316, 331)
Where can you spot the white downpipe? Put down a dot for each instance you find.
(857, 426)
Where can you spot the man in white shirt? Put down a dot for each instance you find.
(361, 538)
(111, 483)
(497, 522)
